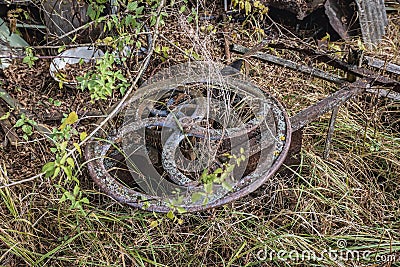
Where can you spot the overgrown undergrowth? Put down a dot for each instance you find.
(347, 205)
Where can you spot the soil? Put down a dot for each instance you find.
(71, 71)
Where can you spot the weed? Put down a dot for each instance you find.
(29, 58)
(62, 137)
(26, 126)
(104, 80)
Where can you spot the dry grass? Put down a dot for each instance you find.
(351, 199)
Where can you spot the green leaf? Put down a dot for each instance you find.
(230, 168)
(57, 103)
(48, 169)
(139, 11)
(56, 172)
(71, 162)
(68, 171)
(204, 174)
(181, 210)
(63, 198)
(76, 190)
(226, 186)
(196, 197)
(71, 119)
(61, 48)
(224, 176)
(69, 196)
(132, 6)
(154, 224)
(5, 116)
(78, 148)
(208, 188)
(82, 136)
(170, 215)
(247, 7)
(217, 171)
(27, 129)
(19, 123)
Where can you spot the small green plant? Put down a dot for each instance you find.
(26, 125)
(162, 51)
(95, 9)
(63, 165)
(54, 102)
(219, 176)
(104, 80)
(76, 199)
(29, 58)
(61, 137)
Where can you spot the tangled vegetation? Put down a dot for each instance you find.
(52, 214)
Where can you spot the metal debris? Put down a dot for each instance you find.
(290, 64)
(338, 17)
(383, 65)
(373, 20)
(169, 109)
(301, 8)
(64, 17)
(11, 45)
(342, 15)
(165, 153)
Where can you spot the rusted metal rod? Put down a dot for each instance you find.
(334, 62)
(383, 65)
(290, 64)
(313, 112)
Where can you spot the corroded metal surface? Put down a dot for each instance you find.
(63, 16)
(315, 111)
(371, 15)
(185, 120)
(373, 20)
(377, 78)
(340, 15)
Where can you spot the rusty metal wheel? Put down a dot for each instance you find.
(187, 121)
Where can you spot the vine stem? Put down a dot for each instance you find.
(120, 104)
